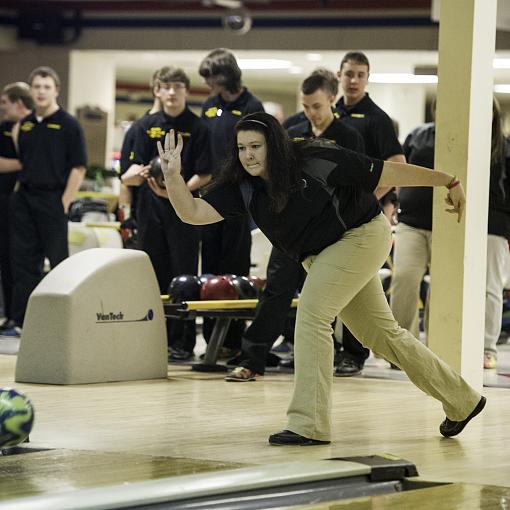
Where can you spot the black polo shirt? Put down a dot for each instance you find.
(416, 202)
(50, 149)
(128, 146)
(374, 125)
(335, 195)
(499, 196)
(7, 150)
(221, 117)
(337, 132)
(293, 120)
(196, 151)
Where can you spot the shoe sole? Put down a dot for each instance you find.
(234, 379)
(477, 410)
(347, 375)
(310, 442)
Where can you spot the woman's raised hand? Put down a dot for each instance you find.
(170, 156)
(456, 198)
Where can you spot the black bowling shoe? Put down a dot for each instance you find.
(286, 437)
(451, 428)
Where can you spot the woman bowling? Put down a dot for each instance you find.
(314, 201)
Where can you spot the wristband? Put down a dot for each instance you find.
(454, 182)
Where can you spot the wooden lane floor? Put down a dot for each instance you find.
(447, 497)
(33, 474)
(198, 416)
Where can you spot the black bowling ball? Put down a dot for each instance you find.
(185, 287)
(156, 172)
(245, 288)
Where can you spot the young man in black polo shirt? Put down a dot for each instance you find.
(299, 117)
(15, 103)
(51, 148)
(285, 275)
(171, 244)
(226, 246)
(358, 111)
(128, 196)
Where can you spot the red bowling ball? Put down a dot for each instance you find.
(219, 287)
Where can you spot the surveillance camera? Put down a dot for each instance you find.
(237, 22)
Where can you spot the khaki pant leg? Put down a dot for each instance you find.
(335, 276)
(369, 317)
(497, 259)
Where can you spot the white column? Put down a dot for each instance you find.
(92, 83)
(404, 103)
(463, 139)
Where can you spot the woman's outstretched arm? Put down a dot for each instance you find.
(189, 209)
(404, 174)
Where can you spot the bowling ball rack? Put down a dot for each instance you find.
(224, 311)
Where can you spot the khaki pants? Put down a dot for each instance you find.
(342, 280)
(497, 260)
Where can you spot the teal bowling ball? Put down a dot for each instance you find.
(16, 417)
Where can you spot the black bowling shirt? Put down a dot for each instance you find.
(222, 116)
(7, 150)
(416, 202)
(337, 132)
(127, 153)
(50, 149)
(335, 195)
(196, 152)
(374, 125)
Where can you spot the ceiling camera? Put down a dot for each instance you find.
(237, 21)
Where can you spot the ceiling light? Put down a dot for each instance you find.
(501, 63)
(263, 63)
(228, 4)
(402, 78)
(503, 88)
(314, 57)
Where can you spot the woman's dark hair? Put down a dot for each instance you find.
(222, 65)
(282, 161)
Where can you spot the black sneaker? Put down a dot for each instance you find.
(178, 354)
(288, 438)
(348, 368)
(451, 428)
(7, 324)
(286, 365)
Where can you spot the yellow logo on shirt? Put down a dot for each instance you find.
(336, 115)
(211, 112)
(27, 126)
(7, 133)
(237, 112)
(358, 115)
(131, 156)
(156, 132)
(184, 134)
(54, 126)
